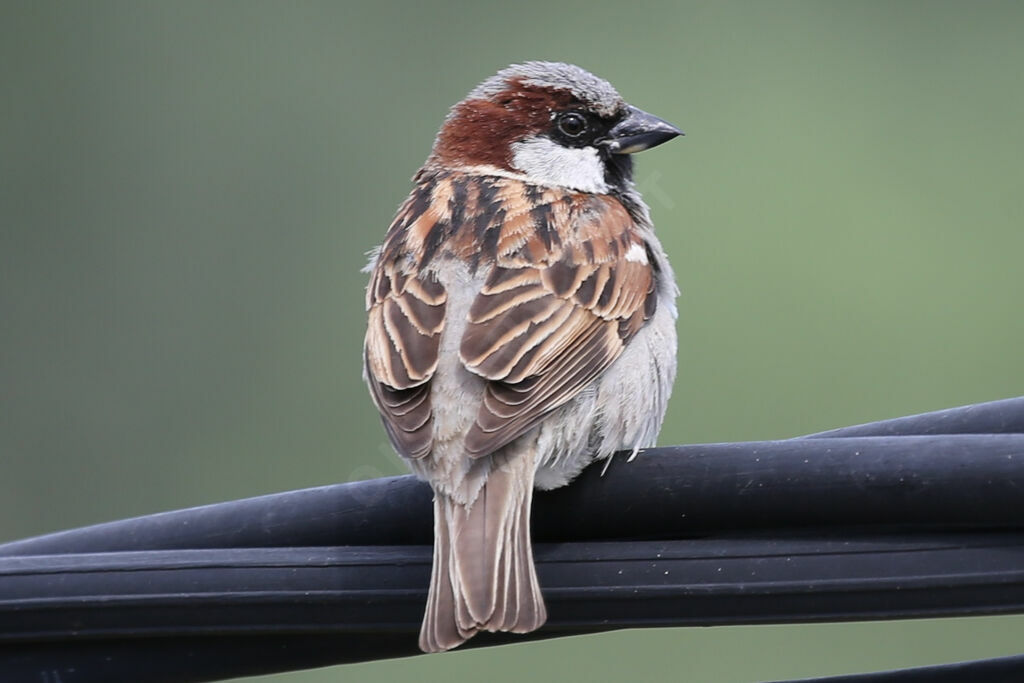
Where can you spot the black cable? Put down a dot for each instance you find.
(994, 417)
(997, 670)
(671, 492)
(812, 529)
(367, 602)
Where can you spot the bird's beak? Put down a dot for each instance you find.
(639, 131)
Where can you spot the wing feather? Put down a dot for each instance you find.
(406, 317)
(542, 328)
(568, 285)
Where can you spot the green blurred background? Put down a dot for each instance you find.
(187, 191)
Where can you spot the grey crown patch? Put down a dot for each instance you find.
(585, 86)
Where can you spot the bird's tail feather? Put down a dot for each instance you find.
(483, 577)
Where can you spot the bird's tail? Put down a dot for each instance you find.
(483, 577)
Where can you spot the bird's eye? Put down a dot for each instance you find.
(572, 124)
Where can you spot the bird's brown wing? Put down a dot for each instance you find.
(406, 315)
(549, 320)
(569, 282)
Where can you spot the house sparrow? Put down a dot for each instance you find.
(521, 325)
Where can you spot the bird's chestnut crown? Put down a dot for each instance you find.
(551, 124)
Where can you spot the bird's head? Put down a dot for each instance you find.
(550, 124)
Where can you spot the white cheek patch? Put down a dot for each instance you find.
(546, 162)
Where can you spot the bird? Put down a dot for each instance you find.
(520, 325)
